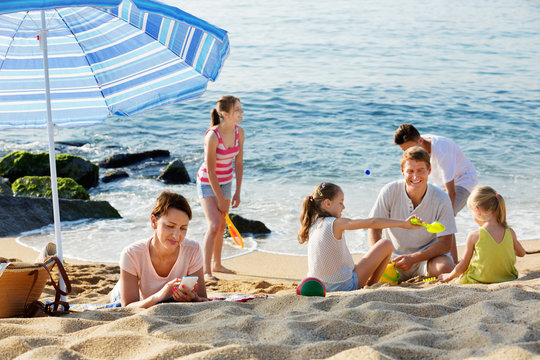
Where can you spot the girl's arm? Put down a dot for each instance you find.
(518, 248)
(239, 168)
(462, 266)
(342, 224)
(212, 142)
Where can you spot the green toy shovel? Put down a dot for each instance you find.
(436, 227)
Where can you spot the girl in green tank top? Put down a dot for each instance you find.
(490, 252)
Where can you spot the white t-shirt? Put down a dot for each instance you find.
(449, 163)
(394, 203)
(135, 259)
(329, 259)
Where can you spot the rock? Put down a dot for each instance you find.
(122, 160)
(149, 169)
(84, 172)
(23, 163)
(19, 214)
(71, 143)
(114, 175)
(246, 226)
(5, 187)
(175, 173)
(40, 186)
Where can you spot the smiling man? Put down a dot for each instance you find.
(417, 252)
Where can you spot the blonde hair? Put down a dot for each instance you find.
(311, 207)
(487, 199)
(416, 153)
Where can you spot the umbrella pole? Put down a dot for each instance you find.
(52, 151)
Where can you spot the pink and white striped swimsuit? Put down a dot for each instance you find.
(224, 160)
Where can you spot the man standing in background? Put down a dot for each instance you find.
(450, 168)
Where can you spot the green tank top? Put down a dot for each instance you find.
(491, 262)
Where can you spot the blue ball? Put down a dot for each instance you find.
(367, 172)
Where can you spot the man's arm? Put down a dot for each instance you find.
(439, 247)
(374, 235)
(451, 191)
(380, 209)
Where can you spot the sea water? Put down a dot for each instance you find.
(324, 85)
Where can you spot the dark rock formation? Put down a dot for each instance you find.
(79, 169)
(23, 163)
(18, 214)
(122, 160)
(114, 175)
(40, 186)
(175, 173)
(246, 226)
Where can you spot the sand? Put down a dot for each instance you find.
(414, 320)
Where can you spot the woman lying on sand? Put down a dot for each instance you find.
(151, 270)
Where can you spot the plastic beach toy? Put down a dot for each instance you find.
(429, 279)
(235, 234)
(311, 286)
(435, 227)
(390, 275)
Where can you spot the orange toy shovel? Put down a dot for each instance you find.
(234, 232)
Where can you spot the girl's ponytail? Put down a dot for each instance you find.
(215, 120)
(500, 210)
(307, 217)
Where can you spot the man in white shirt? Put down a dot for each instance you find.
(451, 170)
(419, 253)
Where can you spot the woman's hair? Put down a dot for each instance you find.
(311, 207)
(406, 133)
(225, 103)
(167, 200)
(487, 199)
(416, 153)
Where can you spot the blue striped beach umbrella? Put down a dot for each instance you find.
(74, 62)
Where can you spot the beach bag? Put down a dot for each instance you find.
(21, 285)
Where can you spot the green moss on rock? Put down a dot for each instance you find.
(20, 163)
(40, 186)
(23, 163)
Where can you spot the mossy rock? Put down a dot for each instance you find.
(175, 173)
(40, 186)
(23, 163)
(83, 171)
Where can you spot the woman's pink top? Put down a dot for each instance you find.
(224, 159)
(135, 259)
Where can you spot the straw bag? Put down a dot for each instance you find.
(21, 285)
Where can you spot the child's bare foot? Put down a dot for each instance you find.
(210, 277)
(223, 269)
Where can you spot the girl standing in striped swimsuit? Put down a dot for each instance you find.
(223, 144)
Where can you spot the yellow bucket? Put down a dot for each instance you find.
(390, 275)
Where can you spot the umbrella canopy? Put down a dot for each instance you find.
(74, 62)
(104, 57)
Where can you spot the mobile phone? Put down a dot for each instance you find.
(189, 282)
